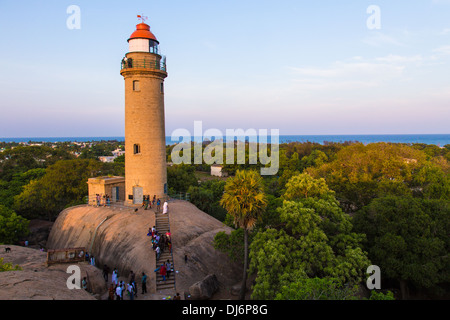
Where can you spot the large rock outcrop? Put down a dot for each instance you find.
(204, 289)
(117, 237)
(37, 281)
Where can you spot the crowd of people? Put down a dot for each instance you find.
(160, 242)
(119, 289)
(89, 258)
(102, 200)
(148, 204)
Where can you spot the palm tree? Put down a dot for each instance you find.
(245, 201)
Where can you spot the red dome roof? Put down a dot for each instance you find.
(142, 32)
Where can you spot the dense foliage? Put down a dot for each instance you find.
(393, 190)
(206, 197)
(315, 239)
(64, 184)
(12, 226)
(180, 178)
(408, 238)
(362, 173)
(38, 181)
(245, 201)
(332, 209)
(317, 289)
(7, 266)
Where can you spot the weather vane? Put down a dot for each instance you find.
(142, 18)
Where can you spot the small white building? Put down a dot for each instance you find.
(118, 152)
(217, 170)
(107, 158)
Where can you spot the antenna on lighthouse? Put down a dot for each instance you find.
(142, 18)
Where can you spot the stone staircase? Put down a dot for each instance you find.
(162, 226)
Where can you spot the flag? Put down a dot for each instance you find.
(142, 17)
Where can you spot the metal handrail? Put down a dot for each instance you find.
(180, 196)
(143, 63)
(92, 200)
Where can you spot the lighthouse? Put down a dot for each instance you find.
(144, 70)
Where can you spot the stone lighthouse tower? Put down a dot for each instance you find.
(144, 71)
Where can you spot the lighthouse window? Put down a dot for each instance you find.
(136, 149)
(136, 85)
(162, 87)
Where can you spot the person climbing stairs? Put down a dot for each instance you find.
(163, 227)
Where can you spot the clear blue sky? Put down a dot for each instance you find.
(303, 67)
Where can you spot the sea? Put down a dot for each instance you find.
(436, 139)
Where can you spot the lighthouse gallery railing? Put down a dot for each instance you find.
(144, 63)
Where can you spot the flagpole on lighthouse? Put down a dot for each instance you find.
(142, 18)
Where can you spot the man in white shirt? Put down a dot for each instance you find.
(165, 207)
(118, 292)
(130, 289)
(158, 252)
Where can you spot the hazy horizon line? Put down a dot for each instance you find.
(281, 135)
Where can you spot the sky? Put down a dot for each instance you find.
(303, 67)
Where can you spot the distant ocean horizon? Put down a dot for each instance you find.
(436, 139)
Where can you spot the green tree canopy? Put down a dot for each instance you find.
(12, 226)
(181, 177)
(24, 158)
(315, 238)
(12, 188)
(206, 197)
(315, 241)
(245, 201)
(244, 198)
(232, 244)
(408, 239)
(431, 182)
(315, 159)
(361, 173)
(302, 186)
(64, 184)
(317, 289)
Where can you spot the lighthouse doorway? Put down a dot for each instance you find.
(138, 195)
